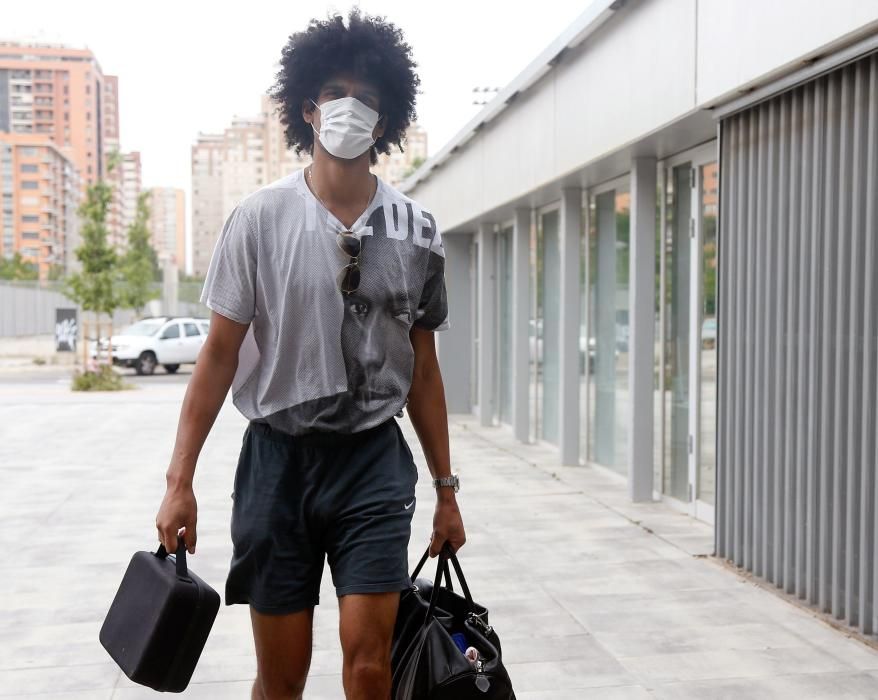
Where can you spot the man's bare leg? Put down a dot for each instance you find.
(366, 630)
(283, 654)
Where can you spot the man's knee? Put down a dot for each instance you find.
(366, 653)
(278, 687)
(368, 670)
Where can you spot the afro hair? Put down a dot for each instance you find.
(368, 48)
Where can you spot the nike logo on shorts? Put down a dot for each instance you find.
(409, 505)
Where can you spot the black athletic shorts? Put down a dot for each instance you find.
(296, 499)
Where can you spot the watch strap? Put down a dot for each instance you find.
(452, 481)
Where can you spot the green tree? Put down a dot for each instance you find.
(15, 268)
(93, 286)
(139, 266)
(56, 272)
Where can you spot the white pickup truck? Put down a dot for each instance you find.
(169, 341)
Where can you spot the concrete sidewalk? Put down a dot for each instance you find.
(593, 597)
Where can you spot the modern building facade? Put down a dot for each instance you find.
(59, 95)
(129, 187)
(661, 246)
(113, 176)
(207, 199)
(59, 91)
(167, 224)
(395, 166)
(39, 186)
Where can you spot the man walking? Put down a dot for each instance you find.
(325, 288)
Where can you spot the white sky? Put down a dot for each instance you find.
(190, 66)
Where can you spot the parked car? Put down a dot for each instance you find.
(169, 341)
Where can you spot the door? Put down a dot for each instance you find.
(546, 327)
(608, 254)
(169, 347)
(688, 332)
(192, 341)
(503, 378)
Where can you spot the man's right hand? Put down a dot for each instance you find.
(178, 509)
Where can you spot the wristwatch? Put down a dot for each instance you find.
(452, 481)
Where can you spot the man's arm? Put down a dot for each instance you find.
(210, 382)
(429, 416)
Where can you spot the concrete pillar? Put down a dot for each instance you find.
(487, 301)
(457, 342)
(521, 294)
(569, 241)
(641, 347)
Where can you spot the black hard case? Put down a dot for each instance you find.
(159, 620)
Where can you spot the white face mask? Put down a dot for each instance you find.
(346, 126)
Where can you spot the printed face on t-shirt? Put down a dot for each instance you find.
(374, 318)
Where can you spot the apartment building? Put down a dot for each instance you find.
(167, 224)
(60, 93)
(207, 198)
(40, 190)
(396, 166)
(130, 186)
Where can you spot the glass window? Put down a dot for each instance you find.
(586, 349)
(204, 328)
(191, 329)
(145, 327)
(676, 372)
(474, 312)
(609, 249)
(707, 390)
(29, 184)
(30, 168)
(504, 305)
(547, 326)
(172, 331)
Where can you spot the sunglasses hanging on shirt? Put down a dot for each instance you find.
(349, 278)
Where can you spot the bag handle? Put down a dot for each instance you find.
(180, 557)
(444, 556)
(443, 564)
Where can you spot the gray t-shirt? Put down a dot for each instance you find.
(313, 357)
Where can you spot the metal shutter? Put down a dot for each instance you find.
(798, 318)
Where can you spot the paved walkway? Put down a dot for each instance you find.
(593, 597)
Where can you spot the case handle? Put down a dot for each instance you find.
(180, 557)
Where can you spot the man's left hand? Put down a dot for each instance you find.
(447, 525)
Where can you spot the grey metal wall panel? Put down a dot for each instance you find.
(798, 342)
(455, 345)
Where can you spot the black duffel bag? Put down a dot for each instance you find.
(426, 661)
